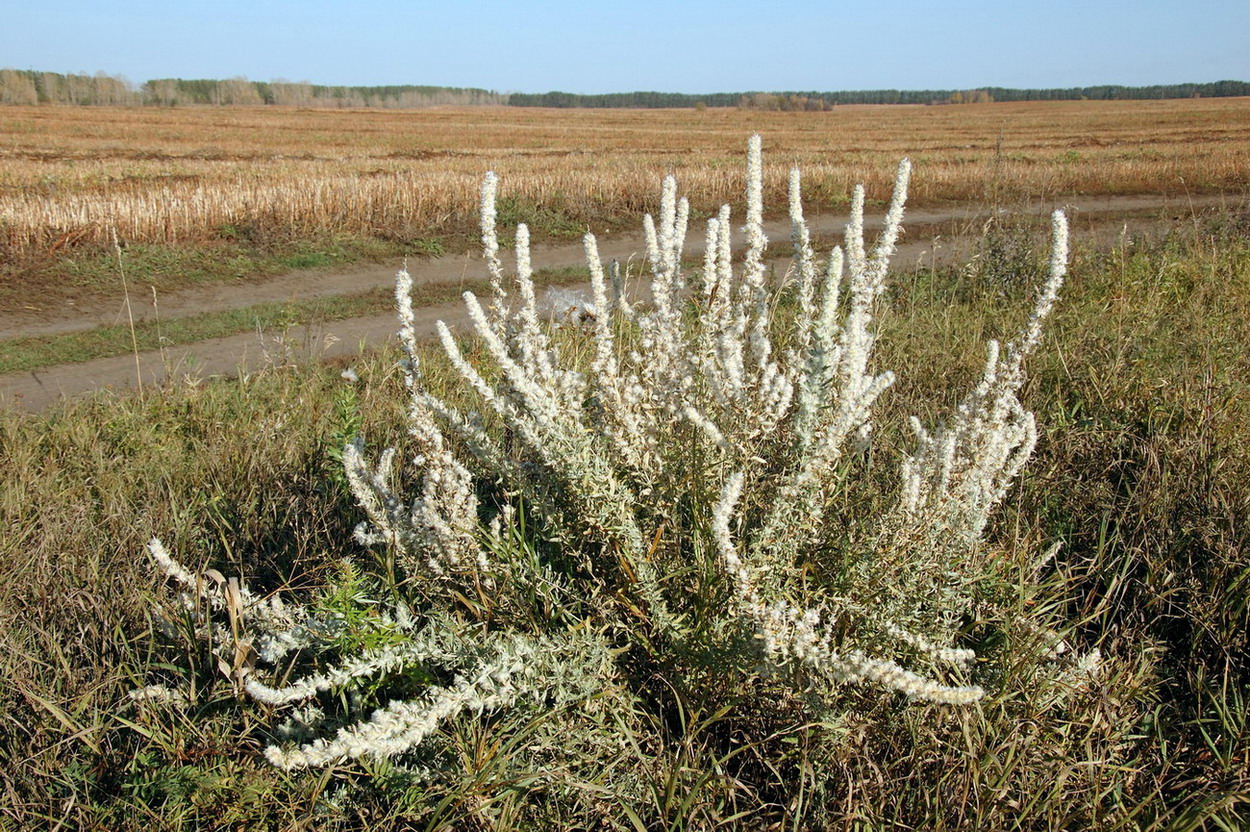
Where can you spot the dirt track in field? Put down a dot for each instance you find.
(1099, 220)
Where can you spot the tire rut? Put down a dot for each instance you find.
(36, 390)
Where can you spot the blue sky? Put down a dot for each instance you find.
(672, 46)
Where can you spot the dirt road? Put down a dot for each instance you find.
(1103, 218)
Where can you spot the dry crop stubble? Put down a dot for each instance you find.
(67, 175)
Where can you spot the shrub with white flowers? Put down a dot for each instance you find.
(670, 491)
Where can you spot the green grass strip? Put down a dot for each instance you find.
(19, 355)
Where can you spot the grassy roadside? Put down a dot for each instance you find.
(59, 275)
(1143, 474)
(174, 267)
(35, 353)
(56, 277)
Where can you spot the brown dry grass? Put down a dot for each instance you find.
(68, 175)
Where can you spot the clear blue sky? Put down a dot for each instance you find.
(670, 46)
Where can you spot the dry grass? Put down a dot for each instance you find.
(67, 175)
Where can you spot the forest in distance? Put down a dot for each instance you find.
(29, 87)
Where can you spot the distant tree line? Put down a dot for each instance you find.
(30, 87)
(787, 102)
(19, 86)
(234, 91)
(823, 100)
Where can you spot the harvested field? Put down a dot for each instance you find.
(69, 176)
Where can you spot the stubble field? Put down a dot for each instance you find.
(72, 175)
